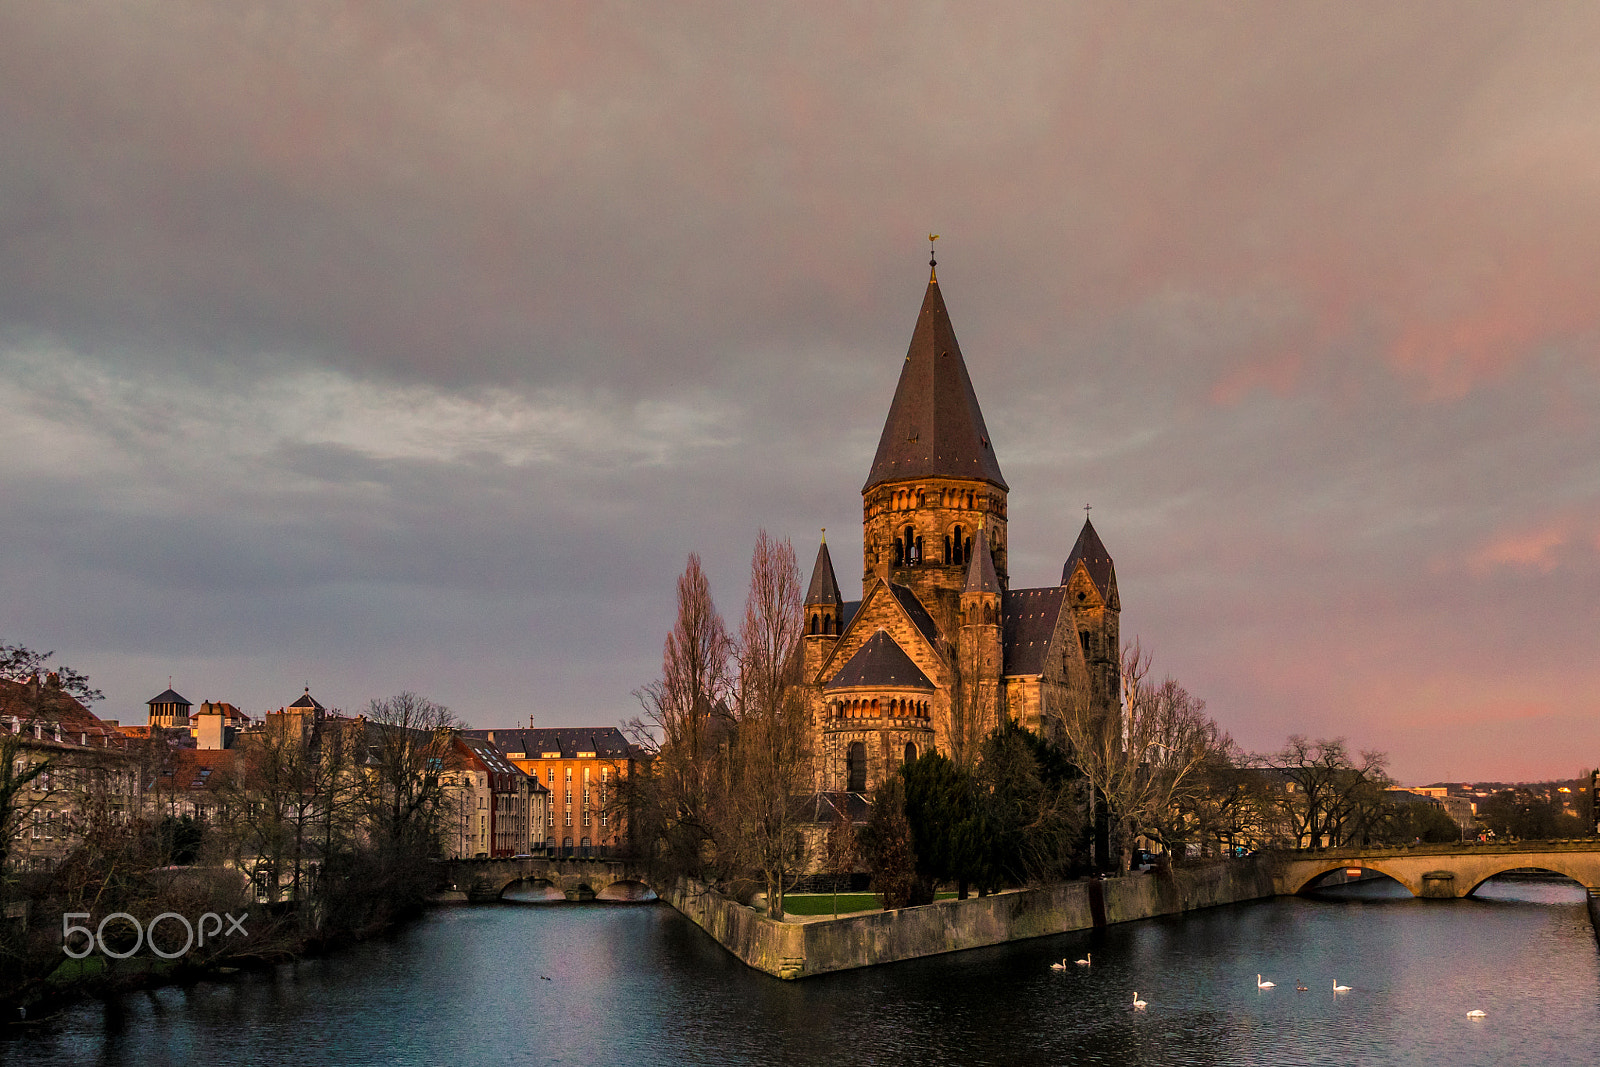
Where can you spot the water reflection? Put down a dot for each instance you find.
(588, 984)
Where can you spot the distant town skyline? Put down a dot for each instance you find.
(391, 349)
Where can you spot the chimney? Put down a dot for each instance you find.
(208, 733)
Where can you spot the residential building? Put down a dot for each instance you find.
(581, 767)
(90, 773)
(498, 809)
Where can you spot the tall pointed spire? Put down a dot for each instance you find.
(1096, 559)
(980, 570)
(824, 587)
(935, 428)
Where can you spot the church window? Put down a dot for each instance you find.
(958, 556)
(1083, 636)
(814, 624)
(966, 549)
(911, 752)
(916, 555)
(856, 768)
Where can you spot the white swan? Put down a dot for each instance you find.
(1088, 959)
(1059, 966)
(1476, 1014)
(1337, 988)
(1264, 985)
(1139, 1005)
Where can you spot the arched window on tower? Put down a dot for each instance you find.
(911, 752)
(814, 624)
(916, 554)
(911, 545)
(947, 558)
(957, 556)
(899, 553)
(856, 768)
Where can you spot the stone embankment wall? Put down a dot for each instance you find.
(765, 944)
(798, 950)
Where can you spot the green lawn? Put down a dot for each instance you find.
(822, 903)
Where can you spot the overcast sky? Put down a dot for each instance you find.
(386, 347)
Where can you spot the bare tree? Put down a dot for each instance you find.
(408, 738)
(1144, 758)
(771, 764)
(685, 724)
(973, 708)
(1328, 794)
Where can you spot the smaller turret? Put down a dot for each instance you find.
(1091, 580)
(824, 611)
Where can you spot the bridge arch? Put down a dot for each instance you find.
(1545, 865)
(533, 889)
(626, 891)
(1307, 882)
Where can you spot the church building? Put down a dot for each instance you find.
(940, 646)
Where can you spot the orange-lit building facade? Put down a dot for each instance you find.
(581, 767)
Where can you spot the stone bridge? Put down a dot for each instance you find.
(482, 880)
(1442, 871)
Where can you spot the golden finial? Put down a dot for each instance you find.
(933, 264)
(824, 535)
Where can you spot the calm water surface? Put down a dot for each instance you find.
(642, 986)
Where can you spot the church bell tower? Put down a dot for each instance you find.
(935, 482)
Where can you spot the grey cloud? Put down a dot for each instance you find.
(373, 341)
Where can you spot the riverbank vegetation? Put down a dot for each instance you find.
(316, 831)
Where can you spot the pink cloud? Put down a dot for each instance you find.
(1538, 548)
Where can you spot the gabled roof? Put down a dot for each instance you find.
(565, 742)
(1030, 621)
(934, 428)
(828, 808)
(909, 606)
(1096, 560)
(169, 697)
(880, 662)
(193, 770)
(488, 756)
(824, 586)
(50, 706)
(919, 614)
(980, 569)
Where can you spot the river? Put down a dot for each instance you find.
(522, 983)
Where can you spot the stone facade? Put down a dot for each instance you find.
(966, 648)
